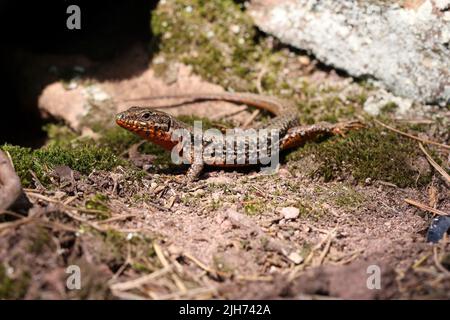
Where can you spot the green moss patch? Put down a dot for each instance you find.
(219, 41)
(370, 153)
(83, 158)
(254, 205)
(348, 198)
(83, 154)
(99, 202)
(112, 248)
(13, 288)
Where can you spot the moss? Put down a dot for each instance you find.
(264, 242)
(306, 210)
(389, 107)
(253, 206)
(326, 104)
(117, 139)
(120, 140)
(369, 153)
(40, 239)
(82, 154)
(23, 161)
(59, 134)
(221, 265)
(306, 250)
(83, 158)
(223, 46)
(99, 202)
(347, 197)
(116, 247)
(13, 288)
(218, 40)
(140, 267)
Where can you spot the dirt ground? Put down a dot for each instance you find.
(200, 241)
(234, 234)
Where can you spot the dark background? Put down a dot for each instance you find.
(31, 29)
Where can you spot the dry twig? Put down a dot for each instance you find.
(438, 263)
(136, 283)
(426, 208)
(444, 146)
(435, 165)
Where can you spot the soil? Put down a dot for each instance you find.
(225, 236)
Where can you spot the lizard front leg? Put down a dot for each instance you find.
(298, 136)
(194, 171)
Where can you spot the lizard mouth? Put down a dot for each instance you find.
(126, 123)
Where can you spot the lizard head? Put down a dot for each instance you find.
(140, 118)
(148, 123)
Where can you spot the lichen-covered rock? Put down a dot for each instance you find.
(405, 44)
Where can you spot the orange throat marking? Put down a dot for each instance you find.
(162, 139)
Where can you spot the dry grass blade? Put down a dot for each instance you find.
(63, 206)
(118, 218)
(444, 146)
(132, 284)
(435, 165)
(203, 266)
(251, 118)
(14, 224)
(11, 213)
(438, 263)
(160, 255)
(254, 278)
(82, 220)
(228, 113)
(326, 249)
(426, 208)
(196, 294)
(179, 283)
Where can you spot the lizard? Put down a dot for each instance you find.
(158, 127)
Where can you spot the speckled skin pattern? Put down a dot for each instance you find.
(158, 127)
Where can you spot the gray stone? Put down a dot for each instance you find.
(404, 46)
(290, 213)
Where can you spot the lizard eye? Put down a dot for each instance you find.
(146, 116)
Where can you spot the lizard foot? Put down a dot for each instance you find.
(344, 127)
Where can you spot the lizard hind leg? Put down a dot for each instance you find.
(298, 136)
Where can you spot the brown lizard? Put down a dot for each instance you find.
(158, 127)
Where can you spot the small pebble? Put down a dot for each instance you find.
(290, 212)
(295, 257)
(235, 28)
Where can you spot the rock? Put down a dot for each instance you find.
(219, 180)
(11, 194)
(295, 257)
(381, 98)
(111, 86)
(60, 103)
(439, 226)
(405, 47)
(290, 213)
